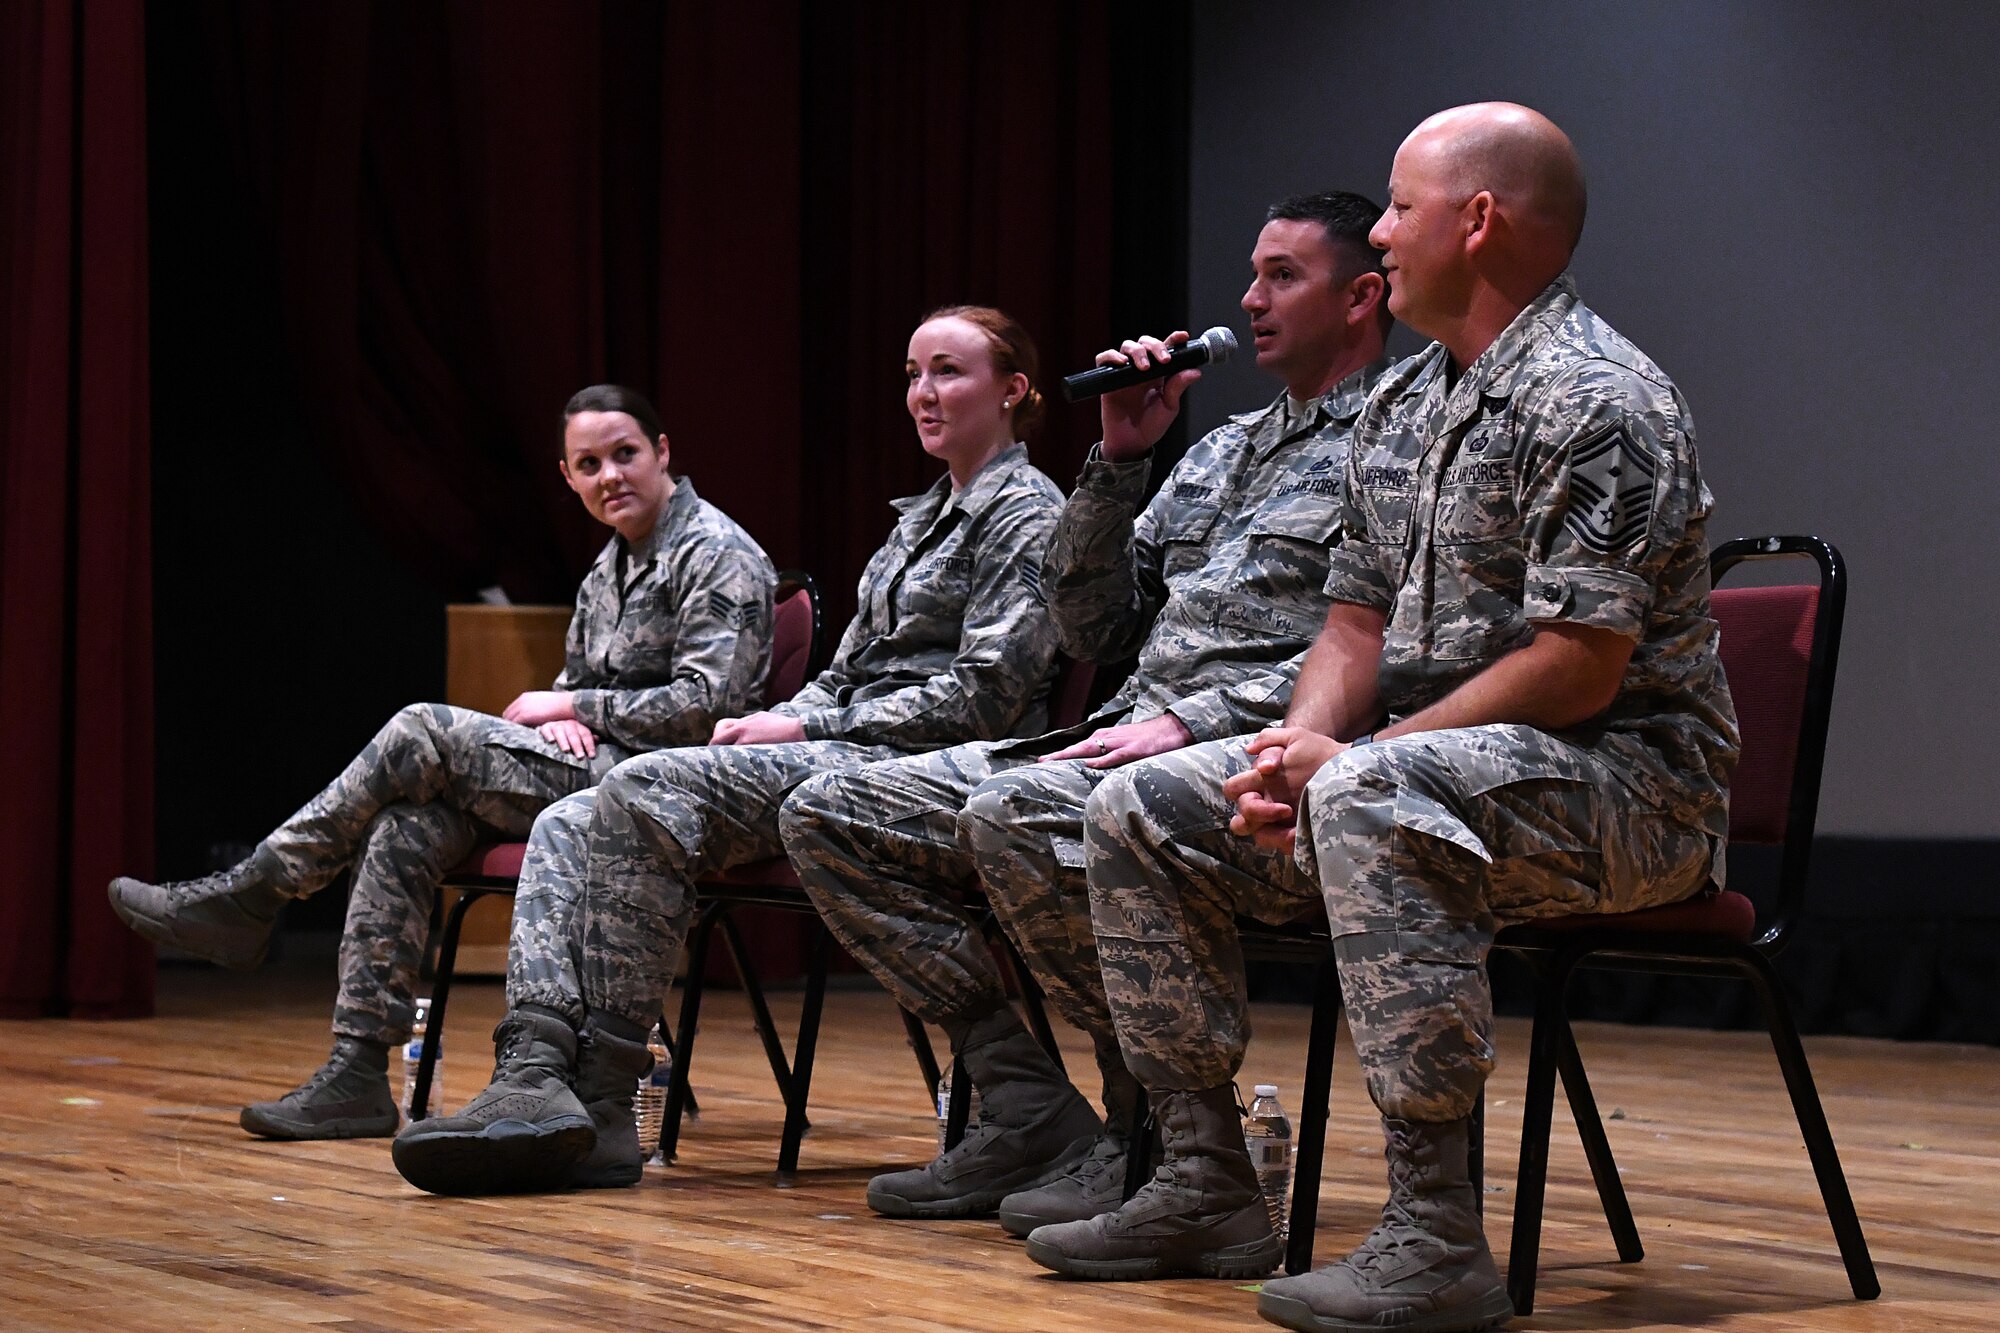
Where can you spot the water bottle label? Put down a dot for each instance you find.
(1273, 1153)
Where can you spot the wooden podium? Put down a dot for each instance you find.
(492, 654)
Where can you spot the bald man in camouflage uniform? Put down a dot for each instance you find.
(1217, 586)
(669, 635)
(950, 639)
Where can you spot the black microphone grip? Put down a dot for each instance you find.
(1213, 346)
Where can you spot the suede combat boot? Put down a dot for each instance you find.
(1032, 1127)
(346, 1098)
(612, 1060)
(1201, 1214)
(226, 918)
(1424, 1269)
(1096, 1183)
(523, 1133)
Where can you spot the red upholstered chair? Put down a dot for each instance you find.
(1779, 646)
(496, 868)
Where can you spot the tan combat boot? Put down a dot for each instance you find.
(1424, 1269)
(1201, 1214)
(1032, 1127)
(226, 918)
(523, 1133)
(1096, 1183)
(612, 1059)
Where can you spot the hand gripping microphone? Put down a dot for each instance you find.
(1212, 348)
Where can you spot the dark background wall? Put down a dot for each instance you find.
(1792, 210)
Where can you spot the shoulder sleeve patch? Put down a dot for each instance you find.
(1610, 491)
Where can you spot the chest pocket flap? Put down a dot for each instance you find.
(1184, 541)
(1303, 517)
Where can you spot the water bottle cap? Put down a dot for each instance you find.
(1266, 1090)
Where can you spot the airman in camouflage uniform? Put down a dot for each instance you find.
(950, 640)
(1217, 585)
(669, 635)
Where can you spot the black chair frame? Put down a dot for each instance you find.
(1555, 957)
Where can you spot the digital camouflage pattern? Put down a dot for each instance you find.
(699, 646)
(890, 852)
(607, 889)
(1167, 882)
(1510, 823)
(1218, 585)
(666, 638)
(1555, 483)
(950, 641)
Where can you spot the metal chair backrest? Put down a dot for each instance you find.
(1780, 647)
(795, 631)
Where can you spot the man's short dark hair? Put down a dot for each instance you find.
(1347, 218)
(617, 398)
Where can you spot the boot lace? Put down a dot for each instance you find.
(1105, 1155)
(338, 1063)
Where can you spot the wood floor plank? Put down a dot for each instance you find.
(133, 1200)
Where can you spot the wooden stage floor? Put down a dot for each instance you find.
(134, 1201)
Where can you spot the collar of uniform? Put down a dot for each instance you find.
(1493, 374)
(1344, 400)
(975, 495)
(672, 514)
(1249, 420)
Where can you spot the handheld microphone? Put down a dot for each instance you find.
(1212, 348)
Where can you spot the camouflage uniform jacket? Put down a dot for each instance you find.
(1555, 483)
(1218, 586)
(673, 634)
(950, 641)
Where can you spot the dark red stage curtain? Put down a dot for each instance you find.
(478, 208)
(965, 157)
(75, 556)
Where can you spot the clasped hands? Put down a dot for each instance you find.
(552, 713)
(1283, 761)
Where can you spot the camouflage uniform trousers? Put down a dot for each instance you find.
(607, 890)
(433, 782)
(1167, 882)
(889, 852)
(1424, 845)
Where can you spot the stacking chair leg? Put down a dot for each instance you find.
(803, 1049)
(677, 1085)
(1597, 1147)
(760, 1011)
(920, 1046)
(1313, 1106)
(420, 1095)
(1033, 1002)
(1537, 1109)
(1812, 1124)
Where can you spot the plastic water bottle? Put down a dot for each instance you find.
(1267, 1134)
(413, 1054)
(649, 1103)
(944, 1106)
